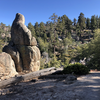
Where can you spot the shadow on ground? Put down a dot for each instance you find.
(85, 88)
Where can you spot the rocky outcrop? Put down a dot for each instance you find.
(14, 53)
(30, 57)
(7, 66)
(20, 34)
(23, 48)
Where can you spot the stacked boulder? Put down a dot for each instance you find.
(22, 47)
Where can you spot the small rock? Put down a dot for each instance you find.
(70, 79)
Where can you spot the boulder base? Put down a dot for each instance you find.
(30, 57)
(14, 53)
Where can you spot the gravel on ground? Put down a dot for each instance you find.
(86, 87)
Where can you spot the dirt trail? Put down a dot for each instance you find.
(85, 88)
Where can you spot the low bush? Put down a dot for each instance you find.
(76, 68)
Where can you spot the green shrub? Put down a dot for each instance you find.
(42, 63)
(77, 68)
(52, 63)
(55, 63)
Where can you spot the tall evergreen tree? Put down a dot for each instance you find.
(74, 22)
(63, 19)
(54, 19)
(42, 29)
(36, 26)
(31, 28)
(93, 22)
(77, 29)
(59, 26)
(97, 22)
(81, 21)
(88, 24)
(68, 24)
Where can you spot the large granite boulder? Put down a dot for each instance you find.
(14, 53)
(20, 34)
(30, 57)
(7, 66)
(23, 48)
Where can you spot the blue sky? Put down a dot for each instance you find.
(40, 10)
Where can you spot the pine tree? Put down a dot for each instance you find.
(93, 22)
(68, 24)
(31, 28)
(97, 22)
(74, 21)
(45, 37)
(36, 26)
(78, 33)
(42, 29)
(81, 21)
(88, 24)
(59, 27)
(54, 20)
(63, 19)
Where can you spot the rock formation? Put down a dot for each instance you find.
(20, 34)
(22, 47)
(7, 66)
(14, 53)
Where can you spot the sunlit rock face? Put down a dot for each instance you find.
(22, 47)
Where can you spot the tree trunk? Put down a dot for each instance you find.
(28, 76)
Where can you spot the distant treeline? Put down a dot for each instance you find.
(61, 38)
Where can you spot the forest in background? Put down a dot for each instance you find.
(63, 41)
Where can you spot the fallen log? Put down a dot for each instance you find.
(54, 76)
(47, 69)
(43, 72)
(28, 76)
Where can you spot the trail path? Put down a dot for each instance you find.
(86, 87)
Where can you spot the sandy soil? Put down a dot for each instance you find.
(86, 87)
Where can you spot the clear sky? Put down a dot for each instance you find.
(40, 10)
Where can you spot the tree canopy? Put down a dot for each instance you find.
(64, 39)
